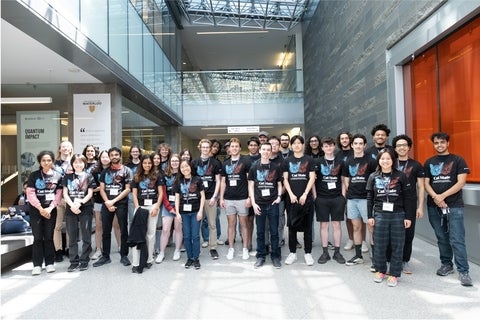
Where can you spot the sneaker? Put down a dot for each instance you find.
(348, 245)
(96, 255)
(59, 256)
(331, 246)
(125, 261)
(292, 257)
(259, 263)
(176, 255)
(204, 244)
(220, 242)
(309, 259)
(196, 264)
(276, 263)
(135, 269)
(148, 265)
(299, 246)
(36, 271)
(245, 254)
(406, 268)
(339, 258)
(392, 281)
(465, 279)
(182, 249)
(372, 268)
(364, 247)
(160, 257)
(50, 268)
(379, 277)
(354, 261)
(230, 253)
(101, 261)
(72, 267)
(214, 254)
(188, 264)
(83, 266)
(324, 258)
(445, 270)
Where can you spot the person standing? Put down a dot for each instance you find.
(299, 178)
(263, 136)
(234, 195)
(77, 192)
(415, 174)
(314, 148)
(44, 192)
(114, 189)
(445, 176)
(387, 199)
(330, 199)
(134, 155)
(264, 189)
(380, 135)
(189, 202)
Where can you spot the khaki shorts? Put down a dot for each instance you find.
(236, 207)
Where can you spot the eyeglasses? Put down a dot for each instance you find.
(401, 145)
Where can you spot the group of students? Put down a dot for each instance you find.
(379, 187)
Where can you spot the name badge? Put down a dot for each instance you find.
(171, 198)
(331, 185)
(205, 184)
(187, 207)
(114, 192)
(387, 206)
(233, 183)
(265, 192)
(147, 202)
(49, 196)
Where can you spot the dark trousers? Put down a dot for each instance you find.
(307, 229)
(107, 220)
(268, 214)
(42, 230)
(73, 222)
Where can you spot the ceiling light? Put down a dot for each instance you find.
(26, 100)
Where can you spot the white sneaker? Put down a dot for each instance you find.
(204, 244)
(308, 259)
(36, 271)
(230, 253)
(220, 242)
(292, 257)
(348, 245)
(50, 268)
(96, 255)
(364, 247)
(160, 257)
(176, 255)
(245, 254)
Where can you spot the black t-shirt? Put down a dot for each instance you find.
(45, 185)
(265, 178)
(116, 181)
(358, 170)
(329, 177)
(373, 151)
(235, 173)
(169, 181)
(147, 189)
(78, 185)
(207, 170)
(133, 167)
(443, 171)
(298, 170)
(412, 170)
(344, 154)
(62, 167)
(190, 194)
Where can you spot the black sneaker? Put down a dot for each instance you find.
(214, 254)
(188, 264)
(330, 246)
(101, 261)
(324, 258)
(259, 263)
(125, 261)
(83, 266)
(59, 256)
(196, 264)
(148, 265)
(337, 256)
(72, 267)
(136, 269)
(276, 263)
(354, 261)
(445, 270)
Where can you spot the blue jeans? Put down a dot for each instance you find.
(191, 234)
(268, 212)
(451, 241)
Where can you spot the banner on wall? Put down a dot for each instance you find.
(91, 121)
(36, 131)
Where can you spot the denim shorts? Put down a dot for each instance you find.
(165, 213)
(357, 209)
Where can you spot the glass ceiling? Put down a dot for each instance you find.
(259, 14)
